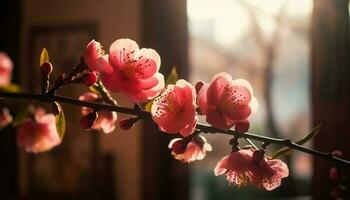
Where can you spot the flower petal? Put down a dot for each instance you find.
(221, 166)
(150, 54)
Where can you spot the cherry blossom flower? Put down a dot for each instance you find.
(5, 117)
(246, 167)
(226, 102)
(127, 69)
(38, 135)
(6, 66)
(196, 149)
(106, 120)
(175, 110)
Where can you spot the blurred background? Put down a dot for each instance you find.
(295, 53)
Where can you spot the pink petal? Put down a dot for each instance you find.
(126, 46)
(145, 68)
(188, 130)
(202, 99)
(221, 166)
(150, 54)
(240, 160)
(217, 87)
(102, 65)
(239, 113)
(216, 118)
(116, 82)
(243, 83)
(106, 121)
(148, 84)
(254, 105)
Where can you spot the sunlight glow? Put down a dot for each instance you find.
(229, 20)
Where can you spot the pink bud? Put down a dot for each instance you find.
(258, 156)
(87, 121)
(127, 124)
(334, 174)
(179, 147)
(89, 78)
(46, 68)
(199, 85)
(242, 126)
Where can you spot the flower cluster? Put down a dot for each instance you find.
(224, 103)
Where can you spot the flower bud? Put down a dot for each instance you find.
(87, 121)
(199, 85)
(46, 69)
(89, 79)
(242, 126)
(127, 124)
(179, 147)
(258, 156)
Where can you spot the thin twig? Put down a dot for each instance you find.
(204, 128)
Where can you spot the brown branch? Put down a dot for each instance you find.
(203, 128)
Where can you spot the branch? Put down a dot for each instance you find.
(203, 128)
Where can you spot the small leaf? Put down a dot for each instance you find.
(148, 106)
(13, 88)
(44, 56)
(60, 121)
(172, 77)
(21, 115)
(93, 89)
(286, 150)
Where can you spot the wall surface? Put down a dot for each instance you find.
(115, 19)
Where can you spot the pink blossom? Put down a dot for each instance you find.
(196, 149)
(5, 117)
(175, 110)
(127, 69)
(226, 102)
(243, 168)
(6, 66)
(38, 135)
(106, 120)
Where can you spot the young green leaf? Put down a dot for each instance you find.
(286, 150)
(172, 77)
(148, 106)
(93, 89)
(13, 88)
(44, 56)
(60, 121)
